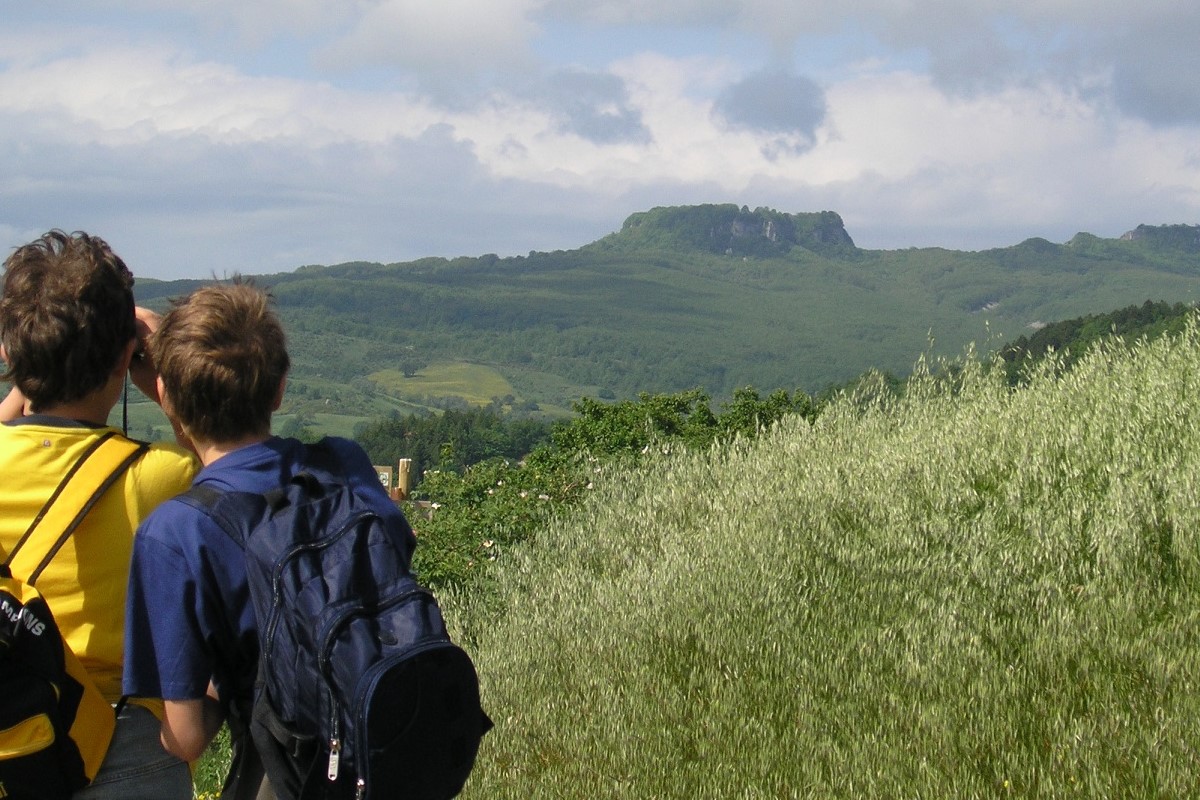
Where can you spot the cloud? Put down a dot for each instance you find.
(186, 205)
(1155, 68)
(1140, 56)
(118, 95)
(441, 45)
(193, 169)
(788, 108)
(397, 132)
(594, 106)
(638, 12)
(970, 172)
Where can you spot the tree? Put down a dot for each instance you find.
(299, 426)
(411, 365)
(452, 440)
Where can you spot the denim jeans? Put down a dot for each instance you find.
(136, 766)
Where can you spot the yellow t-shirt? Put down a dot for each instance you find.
(85, 582)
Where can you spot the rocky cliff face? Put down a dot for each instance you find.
(1185, 238)
(737, 231)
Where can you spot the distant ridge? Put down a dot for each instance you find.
(718, 297)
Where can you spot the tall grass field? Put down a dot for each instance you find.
(969, 591)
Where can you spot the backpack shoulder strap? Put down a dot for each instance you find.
(80, 489)
(232, 509)
(213, 502)
(322, 462)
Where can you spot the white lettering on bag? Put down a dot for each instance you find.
(24, 616)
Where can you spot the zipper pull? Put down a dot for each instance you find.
(335, 743)
(360, 789)
(335, 755)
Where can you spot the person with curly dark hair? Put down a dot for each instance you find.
(69, 334)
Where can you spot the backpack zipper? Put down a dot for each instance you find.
(326, 633)
(366, 685)
(324, 666)
(335, 743)
(277, 576)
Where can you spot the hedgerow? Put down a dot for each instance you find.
(466, 519)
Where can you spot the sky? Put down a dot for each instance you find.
(203, 139)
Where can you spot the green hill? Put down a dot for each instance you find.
(1072, 339)
(716, 297)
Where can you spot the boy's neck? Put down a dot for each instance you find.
(95, 406)
(208, 452)
(91, 409)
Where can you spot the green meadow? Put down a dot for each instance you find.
(474, 383)
(962, 591)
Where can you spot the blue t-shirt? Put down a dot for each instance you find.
(189, 619)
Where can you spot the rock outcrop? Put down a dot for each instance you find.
(735, 231)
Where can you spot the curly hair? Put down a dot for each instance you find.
(66, 315)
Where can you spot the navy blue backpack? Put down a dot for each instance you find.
(360, 693)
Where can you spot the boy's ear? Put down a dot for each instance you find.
(164, 401)
(279, 395)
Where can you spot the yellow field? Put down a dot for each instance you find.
(475, 383)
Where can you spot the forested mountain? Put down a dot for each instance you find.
(716, 297)
(1072, 338)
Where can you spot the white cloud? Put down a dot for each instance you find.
(121, 95)
(970, 46)
(907, 165)
(252, 22)
(626, 12)
(450, 40)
